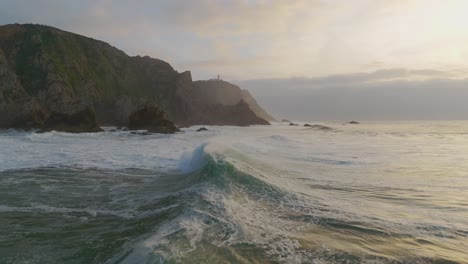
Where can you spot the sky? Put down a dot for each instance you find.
(306, 45)
(248, 39)
(396, 94)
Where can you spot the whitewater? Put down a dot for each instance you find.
(377, 192)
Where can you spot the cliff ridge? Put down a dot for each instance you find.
(44, 70)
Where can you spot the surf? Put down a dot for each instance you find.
(279, 194)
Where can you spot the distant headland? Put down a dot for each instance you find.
(56, 80)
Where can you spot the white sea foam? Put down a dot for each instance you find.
(387, 178)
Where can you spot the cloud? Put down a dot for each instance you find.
(359, 79)
(385, 94)
(267, 38)
(233, 17)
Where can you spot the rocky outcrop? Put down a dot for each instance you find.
(239, 114)
(320, 127)
(44, 69)
(17, 109)
(149, 117)
(225, 93)
(24, 114)
(77, 118)
(256, 108)
(202, 129)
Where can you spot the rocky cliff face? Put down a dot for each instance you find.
(44, 70)
(17, 108)
(149, 117)
(256, 108)
(77, 118)
(228, 94)
(239, 114)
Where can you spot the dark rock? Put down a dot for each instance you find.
(202, 129)
(320, 127)
(354, 123)
(239, 114)
(17, 109)
(149, 117)
(292, 124)
(224, 93)
(307, 125)
(23, 114)
(256, 108)
(77, 119)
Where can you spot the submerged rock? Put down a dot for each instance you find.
(202, 129)
(292, 124)
(320, 127)
(354, 122)
(81, 119)
(149, 117)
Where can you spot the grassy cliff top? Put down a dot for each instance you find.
(81, 66)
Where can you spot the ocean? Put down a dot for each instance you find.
(378, 192)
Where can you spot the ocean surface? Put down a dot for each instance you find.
(371, 193)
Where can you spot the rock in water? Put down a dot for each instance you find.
(320, 127)
(149, 117)
(77, 119)
(292, 124)
(307, 125)
(354, 123)
(202, 129)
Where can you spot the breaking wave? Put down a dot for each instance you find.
(269, 198)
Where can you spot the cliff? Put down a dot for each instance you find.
(228, 94)
(256, 108)
(17, 108)
(44, 70)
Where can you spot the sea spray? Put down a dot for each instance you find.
(194, 160)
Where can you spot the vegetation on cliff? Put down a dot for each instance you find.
(48, 69)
